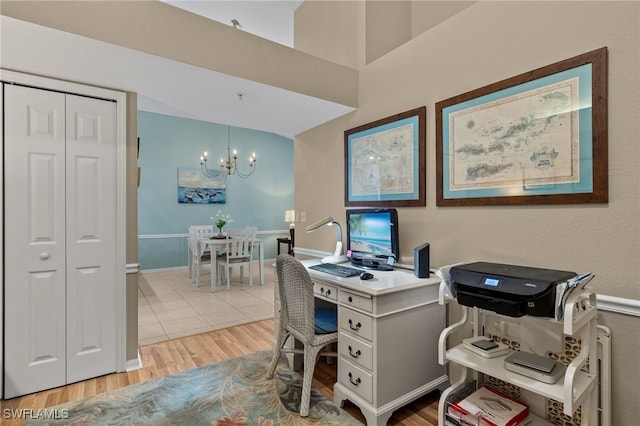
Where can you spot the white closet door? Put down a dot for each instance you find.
(91, 237)
(60, 239)
(34, 215)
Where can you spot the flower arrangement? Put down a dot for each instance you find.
(220, 220)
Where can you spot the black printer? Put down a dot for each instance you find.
(508, 289)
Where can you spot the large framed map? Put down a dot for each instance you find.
(385, 161)
(537, 138)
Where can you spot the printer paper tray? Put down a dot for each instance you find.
(501, 306)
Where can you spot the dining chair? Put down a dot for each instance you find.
(201, 230)
(239, 252)
(198, 258)
(298, 317)
(195, 232)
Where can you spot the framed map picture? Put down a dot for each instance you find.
(385, 161)
(537, 138)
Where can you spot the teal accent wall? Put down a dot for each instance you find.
(167, 143)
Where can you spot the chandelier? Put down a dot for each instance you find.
(228, 167)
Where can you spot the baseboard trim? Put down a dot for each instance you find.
(184, 268)
(169, 269)
(134, 364)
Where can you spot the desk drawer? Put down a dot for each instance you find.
(325, 290)
(356, 379)
(359, 301)
(355, 323)
(355, 350)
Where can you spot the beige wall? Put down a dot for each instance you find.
(485, 43)
(132, 228)
(160, 29)
(328, 23)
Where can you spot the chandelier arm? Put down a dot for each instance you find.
(245, 175)
(230, 166)
(210, 173)
(252, 168)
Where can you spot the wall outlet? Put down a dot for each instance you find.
(302, 217)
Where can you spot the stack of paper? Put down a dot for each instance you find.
(488, 407)
(564, 290)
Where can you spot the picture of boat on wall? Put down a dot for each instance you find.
(195, 188)
(201, 195)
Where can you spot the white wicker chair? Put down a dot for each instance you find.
(298, 319)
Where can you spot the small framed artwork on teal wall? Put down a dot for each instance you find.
(195, 188)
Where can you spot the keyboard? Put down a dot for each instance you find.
(337, 270)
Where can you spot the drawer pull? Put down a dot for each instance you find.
(357, 353)
(357, 326)
(323, 293)
(350, 299)
(357, 382)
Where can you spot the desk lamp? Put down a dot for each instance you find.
(337, 256)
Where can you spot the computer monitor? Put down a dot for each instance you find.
(372, 236)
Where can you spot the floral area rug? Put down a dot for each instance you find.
(229, 393)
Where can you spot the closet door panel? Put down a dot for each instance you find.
(34, 216)
(91, 233)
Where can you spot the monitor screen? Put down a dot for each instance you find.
(372, 233)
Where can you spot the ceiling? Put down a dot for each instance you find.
(171, 87)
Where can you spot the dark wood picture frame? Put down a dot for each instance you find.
(404, 167)
(585, 77)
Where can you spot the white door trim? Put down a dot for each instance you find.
(8, 76)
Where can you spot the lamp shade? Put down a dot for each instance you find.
(289, 215)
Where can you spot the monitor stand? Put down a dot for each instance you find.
(384, 267)
(375, 264)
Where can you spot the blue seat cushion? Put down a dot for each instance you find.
(326, 321)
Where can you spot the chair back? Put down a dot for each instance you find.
(296, 296)
(196, 232)
(200, 230)
(240, 243)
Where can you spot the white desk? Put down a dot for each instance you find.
(388, 338)
(215, 243)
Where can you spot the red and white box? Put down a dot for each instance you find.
(488, 407)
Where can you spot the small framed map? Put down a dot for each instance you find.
(537, 138)
(385, 161)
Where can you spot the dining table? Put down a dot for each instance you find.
(214, 244)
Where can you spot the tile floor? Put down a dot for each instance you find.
(170, 305)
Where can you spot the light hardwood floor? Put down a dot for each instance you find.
(172, 356)
(183, 327)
